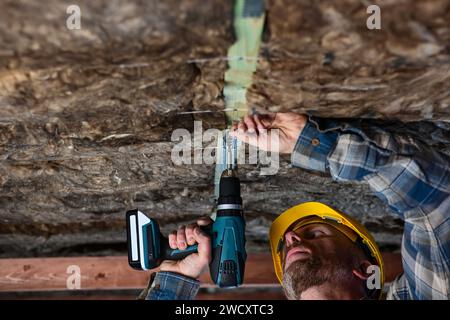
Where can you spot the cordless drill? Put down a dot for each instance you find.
(147, 247)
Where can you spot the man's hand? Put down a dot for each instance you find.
(256, 130)
(196, 263)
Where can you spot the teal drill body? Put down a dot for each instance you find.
(147, 247)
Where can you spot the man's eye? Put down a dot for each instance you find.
(316, 234)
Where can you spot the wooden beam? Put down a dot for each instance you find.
(100, 273)
(114, 273)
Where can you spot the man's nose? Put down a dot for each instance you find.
(291, 237)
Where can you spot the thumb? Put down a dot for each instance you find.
(204, 245)
(267, 120)
(204, 221)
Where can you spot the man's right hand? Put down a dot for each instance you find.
(256, 130)
(195, 263)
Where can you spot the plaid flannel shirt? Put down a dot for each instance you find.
(412, 178)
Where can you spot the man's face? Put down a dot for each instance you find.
(315, 254)
(315, 240)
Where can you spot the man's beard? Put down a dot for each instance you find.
(304, 274)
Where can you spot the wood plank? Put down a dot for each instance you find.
(105, 273)
(113, 273)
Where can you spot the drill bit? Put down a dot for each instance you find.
(229, 154)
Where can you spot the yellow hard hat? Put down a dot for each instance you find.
(318, 212)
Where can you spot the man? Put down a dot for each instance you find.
(322, 253)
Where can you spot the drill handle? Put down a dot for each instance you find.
(175, 254)
(167, 253)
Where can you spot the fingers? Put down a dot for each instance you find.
(173, 240)
(184, 236)
(190, 234)
(234, 127)
(189, 231)
(237, 131)
(204, 245)
(242, 128)
(181, 238)
(259, 124)
(250, 124)
(253, 124)
(246, 131)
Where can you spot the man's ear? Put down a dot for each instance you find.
(361, 271)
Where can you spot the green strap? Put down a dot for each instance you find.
(242, 56)
(249, 18)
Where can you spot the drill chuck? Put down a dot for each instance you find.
(229, 201)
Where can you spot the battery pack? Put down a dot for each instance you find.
(140, 239)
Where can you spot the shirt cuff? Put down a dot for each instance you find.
(173, 286)
(313, 147)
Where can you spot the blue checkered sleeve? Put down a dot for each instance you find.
(412, 178)
(172, 286)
